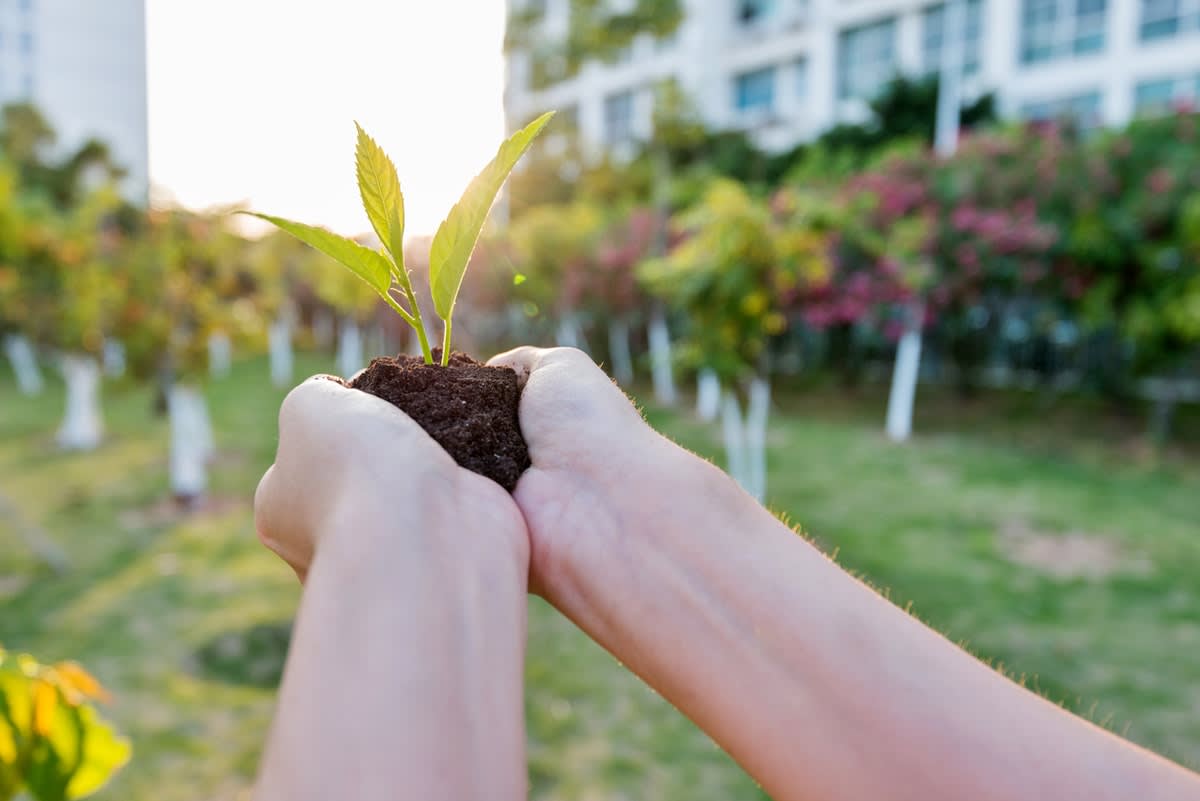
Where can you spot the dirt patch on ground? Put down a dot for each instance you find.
(1067, 554)
(171, 510)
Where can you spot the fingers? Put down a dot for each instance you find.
(526, 359)
(522, 361)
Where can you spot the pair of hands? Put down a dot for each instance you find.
(346, 456)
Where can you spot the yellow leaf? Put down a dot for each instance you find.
(73, 676)
(45, 702)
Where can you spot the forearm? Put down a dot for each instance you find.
(818, 686)
(404, 678)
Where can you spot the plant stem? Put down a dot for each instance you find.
(418, 324)
(446, 343)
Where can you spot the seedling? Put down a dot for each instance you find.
(384, 271)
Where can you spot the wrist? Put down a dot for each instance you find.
(655, 505)
(452, 527)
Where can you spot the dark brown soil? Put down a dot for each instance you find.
(470, 409)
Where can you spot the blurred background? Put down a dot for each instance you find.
(924, 277)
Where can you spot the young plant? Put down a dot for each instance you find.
(452, 245)
(54, 746)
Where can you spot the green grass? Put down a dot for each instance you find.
(184, 616)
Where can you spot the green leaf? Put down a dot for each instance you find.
(104, 753)
(367, 264)
(518, 279)
(379, 187)
(456, 236)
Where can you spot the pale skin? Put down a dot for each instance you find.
(816, 685)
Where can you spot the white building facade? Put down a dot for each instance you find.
(83, 64)
(785, 70)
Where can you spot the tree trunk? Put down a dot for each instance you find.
(734, 435)
(756, 437)
(322, 329)
(220, 354)
(569, 334)
(350, 349)
(24, 363)
(82, 427)
(904, 385)
(660, 360)
(191, 443)
(113, 359)
(746, 437)
(708, 395)
(618, 351)
(279, 340)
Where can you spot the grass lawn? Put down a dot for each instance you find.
(1071, 562)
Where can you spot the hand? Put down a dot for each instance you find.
(600, 476)
(352, 466)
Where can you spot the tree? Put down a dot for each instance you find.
(906, 108)
(722, 276)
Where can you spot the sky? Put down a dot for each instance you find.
(253, 102)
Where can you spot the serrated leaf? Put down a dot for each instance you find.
(379, 186)
(456, 236)
(367, 264)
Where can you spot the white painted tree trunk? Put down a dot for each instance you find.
(279, 342)
(322, 328)
(191, 442)
(734, 434)
(904, 386)
(220, 354)
(114, 358)
(82, 427)
(350, 349)
(660, 360)
(708, 395)
(746, 438)
(24, 363)
(757, 410)
(618, 348)
(569, 334)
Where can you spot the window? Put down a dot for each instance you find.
(618, 117)
(1083, 109)
(26, 5)
(754, 92)
(1165, 18)
(753, 12)
(801, 72)
(933, 27)
(26, 43)
(1163, 95)
(866, 59)
(1053, 29)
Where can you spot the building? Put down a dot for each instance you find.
(785, 70)
(83, 64)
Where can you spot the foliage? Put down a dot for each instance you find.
(723, 275)
(187, 277)
(452, 244)
(26, 138)
(53, 744)
(555, 249)
(906, 108)
(595, 30)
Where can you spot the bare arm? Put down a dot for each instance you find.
(816, 685)
(404, 677)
